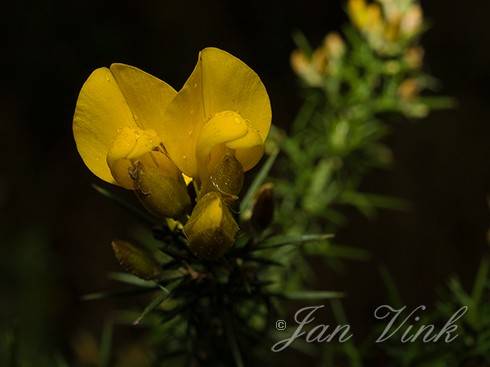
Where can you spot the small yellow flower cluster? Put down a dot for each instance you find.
(387, 24)
(409, 91)
(135, 131)
(324, 61)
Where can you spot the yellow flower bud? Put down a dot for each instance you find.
(357, 11)
(299, 62)
(373, 17)
(159, 185)
(319, 60)
(414, 57)
(393, 10)
(211, 228)
(334, 45)
(411, 22)
(409, 89)
(136, 260)
(304, 68)
(392, 31)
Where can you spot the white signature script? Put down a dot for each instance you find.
(402, 323)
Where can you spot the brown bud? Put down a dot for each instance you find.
(263, 207)
(136, 260)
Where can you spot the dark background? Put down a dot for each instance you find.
(55, 230)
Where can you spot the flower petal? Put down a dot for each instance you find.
(251, 139)
(146, 95)
(129, 144)
(220, 82)
(224, 127)
(249, 157)
(100, 112)
(229, 84)
(182, 122)
(248, 149)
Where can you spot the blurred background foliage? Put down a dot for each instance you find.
(55, 231)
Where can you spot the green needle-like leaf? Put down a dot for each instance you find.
(142, 215)
(259, 180)
(232, 340)
(132, 280)
(119, 293)
(311, 295)
(286, 240)
(478, 290)
(106, 345)
(162, 296)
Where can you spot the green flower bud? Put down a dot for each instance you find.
(211, 228)
(136, 260)
(159, 185)
(226, 177)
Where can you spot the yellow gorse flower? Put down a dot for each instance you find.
(325, 60)
(123, 112)
(134, 130)
(387, 24)
(223, 106)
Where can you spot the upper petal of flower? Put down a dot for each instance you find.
(111, 100)
(101, 110)
(220, 82)
(146, 95)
